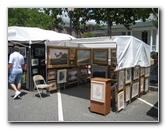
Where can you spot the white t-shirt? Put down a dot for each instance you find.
(17, 60)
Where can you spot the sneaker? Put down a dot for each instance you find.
(16, 94)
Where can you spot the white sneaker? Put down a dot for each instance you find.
(16, 94)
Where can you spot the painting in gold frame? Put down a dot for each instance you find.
(51, 74)
(57, 57)
(100, 56)
(53, 85)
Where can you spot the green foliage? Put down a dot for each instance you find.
(87, 34)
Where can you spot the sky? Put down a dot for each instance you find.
(79, 4)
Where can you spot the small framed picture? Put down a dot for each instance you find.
(136, 71)
(120, 104)
(97, 91)
(135, 89)
(127, 92)
(120, 79)
(147, 71)
(53, 85)
(128, 75)
(34, 62)
(51, 74)
(146, 84)
(61, 76)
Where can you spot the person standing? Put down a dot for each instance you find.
(15, 69)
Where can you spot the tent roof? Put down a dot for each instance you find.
(16, 33)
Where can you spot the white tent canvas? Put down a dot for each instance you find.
(16, 33)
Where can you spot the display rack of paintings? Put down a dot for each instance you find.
(128, 75)
(61, 76)
(72, 75)
(53, 85)
(146, 84)
(83, 56)
(135, 89)
(127, 93)
(100, 56)
(99, 71)
(141, 88)
(57, 57)
(51, 74)
(136, 71)
(120, 81)
(120, 103)
(147, 71)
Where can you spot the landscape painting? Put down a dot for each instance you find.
(83, 56)
(58, 57)
(72, 75)
(100, 56)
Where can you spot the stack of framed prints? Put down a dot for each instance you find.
(51, 78)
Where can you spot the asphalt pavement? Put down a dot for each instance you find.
(72, 104)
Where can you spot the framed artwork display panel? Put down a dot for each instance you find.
(72, 75)
(147, 71)
(120, 104)
(34, 62)
(53, 85)
(57, 57)
(141, 84)
(61, 76)
(23, 51)
(83, 72)
(120, 79)
(51, 74)
(97, 91)
(99, 71)
(83, 56)
(136, 71)
(146, 84)
(127, 92)
(39, 51)
(72, 53)
(113, 53)
(135, 89)
(142, 71)
(100, 56)
(128, 75)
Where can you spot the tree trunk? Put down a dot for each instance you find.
(109, 30)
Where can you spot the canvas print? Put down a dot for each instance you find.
(99, 71)
(128, 75)
(58, 57)
(34, 62)
(23, 51)
(72, 75)
(97, 91)
(120, 100)
(51, 74)
(100, 56)
(83, 56)
(61, 76)
(135, 89)
(136, 73)
(120, 79)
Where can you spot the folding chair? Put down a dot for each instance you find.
(40, 84)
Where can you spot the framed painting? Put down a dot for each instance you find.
(142, 71)
(34, 62)
(127, 92)
(23, 51)
(136, 71)
(57, 57)
(100, 56)
(135, 89)
(35, 71)
(113, 53)
(120, 82)
(99, 71)
(72, 75)
(51, 74)
(61, 76)
(97, 91)
(120, 104)
(146, 84)
(147, 71)
(83, 72)
(83, 56)
(53, 85)
(39, 51)
(128, 76)
(72, 53)
(141, 87)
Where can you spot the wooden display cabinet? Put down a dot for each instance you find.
(100, 98)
